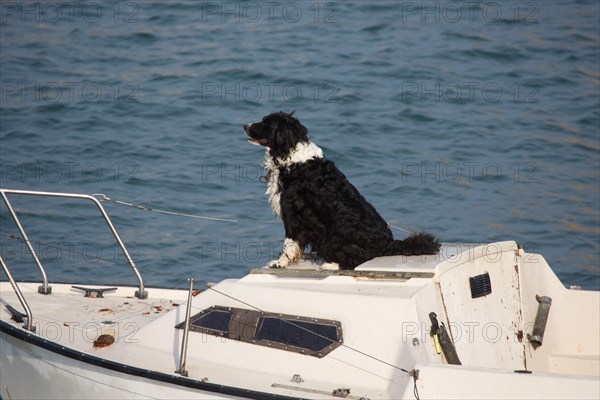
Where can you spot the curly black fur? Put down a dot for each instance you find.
(321, 209)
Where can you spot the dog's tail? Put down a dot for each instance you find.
(415, 245)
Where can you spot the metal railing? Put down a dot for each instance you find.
(45, 288)
(186, 332)
(29, 324)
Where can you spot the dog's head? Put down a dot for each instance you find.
(279, 131)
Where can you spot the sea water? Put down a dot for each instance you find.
(475, 121)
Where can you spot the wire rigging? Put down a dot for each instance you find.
(146, 208)
(103, 197)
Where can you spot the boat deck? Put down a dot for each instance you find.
(77, 321)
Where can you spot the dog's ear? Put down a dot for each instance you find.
(295, 130)
(286, 136)
(292, 113)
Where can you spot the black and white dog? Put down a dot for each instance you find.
(319, 208)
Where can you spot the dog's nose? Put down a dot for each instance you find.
(246, 127)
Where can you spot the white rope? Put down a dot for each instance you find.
(407, 230)
(146, 208)
(104, 197)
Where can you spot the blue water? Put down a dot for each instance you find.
(476, 121)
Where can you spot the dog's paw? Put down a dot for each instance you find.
(329, 266)
(276, 264)
(292, 253)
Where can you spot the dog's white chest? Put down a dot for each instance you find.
(300, 154)
(273, 189)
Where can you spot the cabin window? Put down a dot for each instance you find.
(299, 334)
(213, 320)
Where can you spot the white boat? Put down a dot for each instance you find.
(475, 321)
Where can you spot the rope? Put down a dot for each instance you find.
(104, 197)
(415, 375)
(146, 208)
(407, 230)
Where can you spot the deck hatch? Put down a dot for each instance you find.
(299, 334)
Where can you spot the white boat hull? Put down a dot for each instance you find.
(30, 371)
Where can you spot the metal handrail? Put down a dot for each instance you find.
(186, 332)
(29, 324)
(45, 289)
